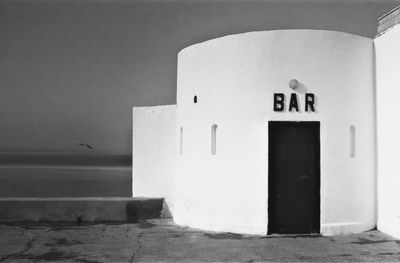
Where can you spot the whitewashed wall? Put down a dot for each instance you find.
(154, 153)
(387, 48)
(234, 78)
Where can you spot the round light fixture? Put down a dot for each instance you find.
(293, 84)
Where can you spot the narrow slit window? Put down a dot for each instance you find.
(181, 140)
(214, 139)
(195, 99)
(352, 141)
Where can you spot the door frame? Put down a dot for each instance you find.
(317, 205)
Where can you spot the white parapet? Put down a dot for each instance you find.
(154, 152)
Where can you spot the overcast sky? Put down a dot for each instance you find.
(73, 70)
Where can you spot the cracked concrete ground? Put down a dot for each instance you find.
(161, 240)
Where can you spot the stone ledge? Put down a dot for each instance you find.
(127, 209)
(63, 181)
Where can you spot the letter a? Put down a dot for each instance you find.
(293, 102)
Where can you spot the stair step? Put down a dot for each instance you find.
(79, 209)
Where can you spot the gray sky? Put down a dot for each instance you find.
(72, 70)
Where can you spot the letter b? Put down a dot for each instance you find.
(279, 102)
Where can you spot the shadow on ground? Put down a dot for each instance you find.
(161, 240)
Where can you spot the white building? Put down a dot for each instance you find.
(288, 131)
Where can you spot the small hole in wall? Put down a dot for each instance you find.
(195, 99)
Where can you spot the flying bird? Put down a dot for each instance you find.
(83, 144)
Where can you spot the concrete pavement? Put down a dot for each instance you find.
(161, 240)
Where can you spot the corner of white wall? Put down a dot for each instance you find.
(387, 56)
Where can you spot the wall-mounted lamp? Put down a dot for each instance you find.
(293, 84)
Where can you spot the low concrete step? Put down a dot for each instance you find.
(129, 209)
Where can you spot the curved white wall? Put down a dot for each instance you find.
(234, 78)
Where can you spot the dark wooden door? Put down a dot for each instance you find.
(294, 177)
